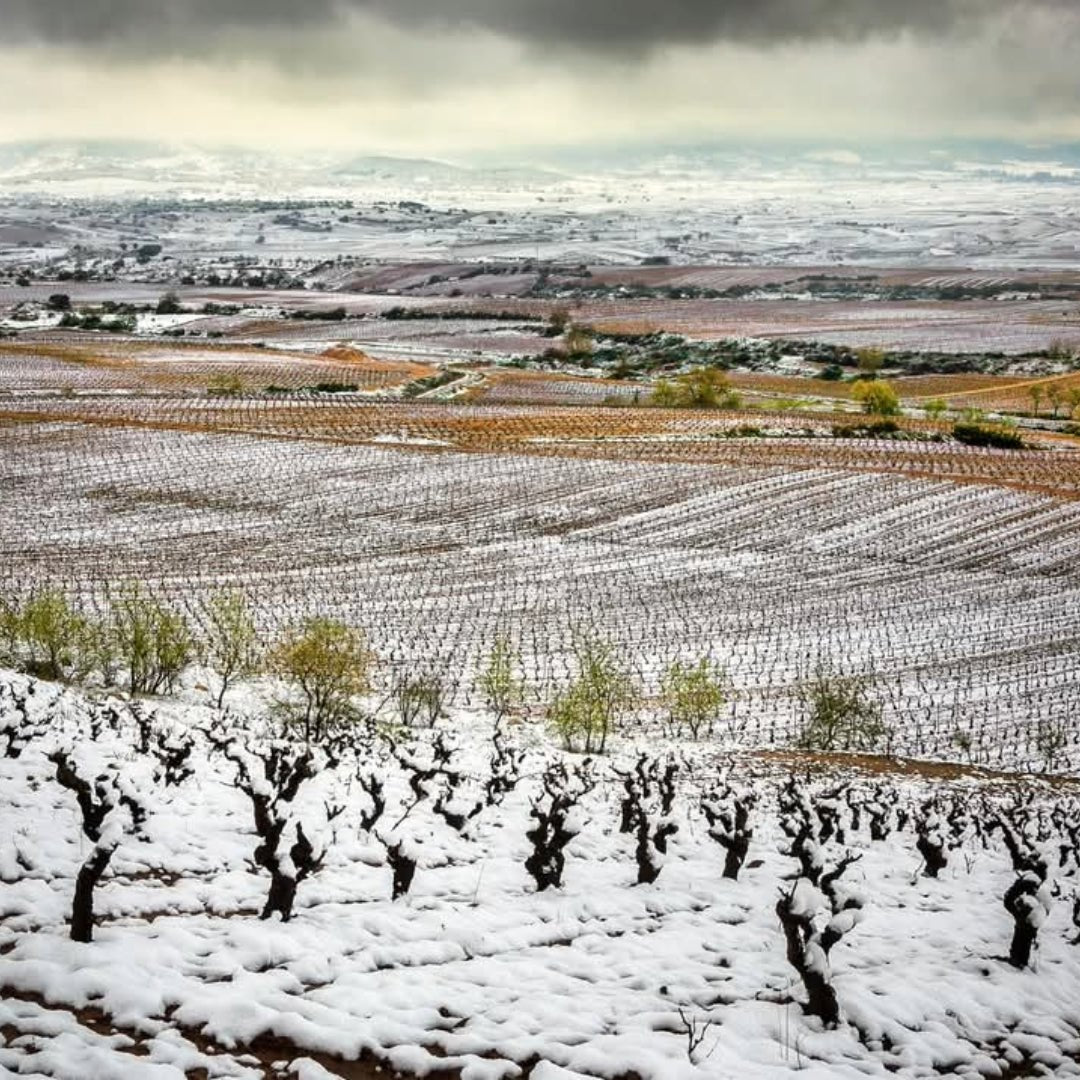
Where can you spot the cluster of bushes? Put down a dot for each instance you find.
(122, 314)
(337, 314)
(323, 666)
(315, 388)
(820, 286)
(94, 320)
(399, 313)
(145, 646)
(226, 385)
(627, 354)
(331, 388)
(998, 438)
(873, 429)
(142, 640)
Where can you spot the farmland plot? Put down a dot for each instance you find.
(655, 435)
(970, 326)
(143, 367)
(960, 599)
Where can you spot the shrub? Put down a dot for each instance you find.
(97, 651)
(419, 698)
(578, 341)
(591, 708)
(870, 360)
(702, 388)
(53, 633)
(840, 714)
(226, 385)
(501, 689)
(169, 304)
(1063, 349)
(693, 695)
(153, 643)
(981, 435)
(877, 398)
(232, 648)
(11, 629)
(328, 664)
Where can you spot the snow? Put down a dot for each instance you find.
(473, 970)
(431, 554)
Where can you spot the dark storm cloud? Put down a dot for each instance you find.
(607, 25)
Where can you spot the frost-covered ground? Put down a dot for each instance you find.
(731, 213)
(473, 971)
(961, 600)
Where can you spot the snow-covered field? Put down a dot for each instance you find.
(729, 213)
(475, 972)
(960, 599)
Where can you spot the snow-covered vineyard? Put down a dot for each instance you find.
(960, 601)
(468, 901)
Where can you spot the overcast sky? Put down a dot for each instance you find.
(449, 77)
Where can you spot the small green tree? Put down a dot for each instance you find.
(153, 642)
(98, 651)
(1051, 741)
(1072, 400)
(11, 630)
(593, 705)
(1063, 349)
(420, 698)
(840, 714)
(328, 664)
(935, 409)
(693, 695)
(232, 646)
(1036, 394)
(877, 398)
(498, 682)
(52, 630)
(702, 388)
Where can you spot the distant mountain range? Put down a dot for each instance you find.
(120, 167)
